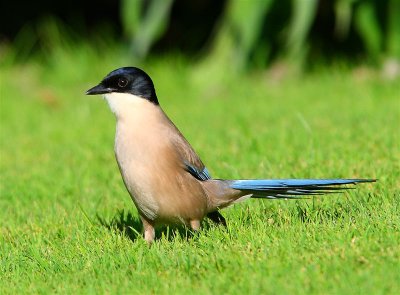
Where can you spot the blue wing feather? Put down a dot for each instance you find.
(199, 174)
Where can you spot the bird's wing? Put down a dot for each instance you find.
(199, 174)
(190, 161)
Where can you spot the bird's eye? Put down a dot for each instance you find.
(122, 82)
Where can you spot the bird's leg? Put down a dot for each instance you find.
(148, 228)
(195, 224)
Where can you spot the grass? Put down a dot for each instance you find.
(69, 226)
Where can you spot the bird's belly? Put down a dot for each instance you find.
(160, 191)
(164, 198)
(138, 187)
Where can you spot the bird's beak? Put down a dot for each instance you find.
(99, 89)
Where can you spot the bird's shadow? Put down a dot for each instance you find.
(124, 223)
(130, 225)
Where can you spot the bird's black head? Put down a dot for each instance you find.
(127, 80)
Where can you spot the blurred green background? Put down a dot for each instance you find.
(240, 35)
(261, 89)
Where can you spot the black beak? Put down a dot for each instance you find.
(99, 89)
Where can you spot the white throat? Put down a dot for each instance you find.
(125, 105)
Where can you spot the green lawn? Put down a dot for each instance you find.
(69, 226)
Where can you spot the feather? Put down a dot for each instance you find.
(201, 175)
(293, 188)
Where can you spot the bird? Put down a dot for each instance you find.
(165, 177)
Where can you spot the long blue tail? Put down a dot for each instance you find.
(292, 188)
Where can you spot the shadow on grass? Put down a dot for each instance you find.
(131, 226)
(124, 223)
